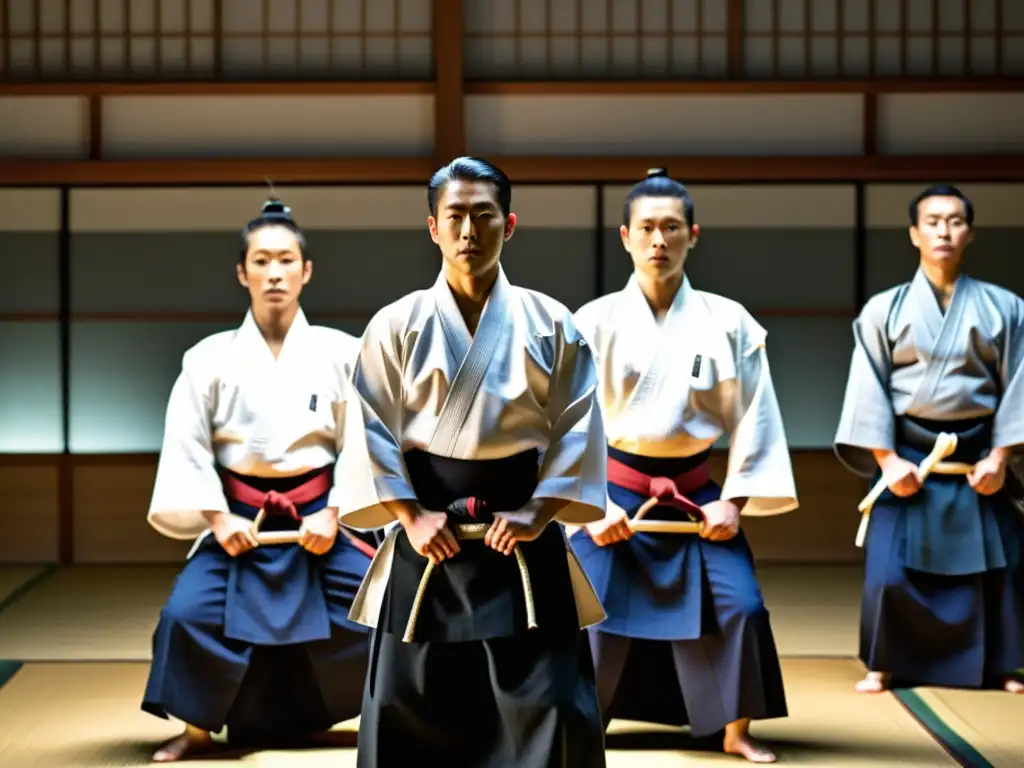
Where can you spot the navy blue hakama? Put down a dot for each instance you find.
(262, 643)
(688, 639)
(943, 601)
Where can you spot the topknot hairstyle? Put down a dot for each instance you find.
(274, 213)
(658, 184)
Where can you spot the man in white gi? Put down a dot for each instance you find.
(256, 637)
(481, 425)
(678, 368)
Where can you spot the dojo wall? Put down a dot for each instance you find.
(505, 119)
(537, 78)
(525, 40)
(31, 431)
(148, 272)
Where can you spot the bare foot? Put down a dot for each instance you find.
(1013, 685)
(873, 682)
(191, 741)
(738, 742)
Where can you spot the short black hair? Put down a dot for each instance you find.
(273, 214)
(940, 190)
(470, 169)
(658, 184)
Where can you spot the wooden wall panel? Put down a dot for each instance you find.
(111, 496)
(822, 530)
(110, 516)
(950, 123)
(755, 125)
(29, 514)
(44, 127)
(525, 170)
(216, 127)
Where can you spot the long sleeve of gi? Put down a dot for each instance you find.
(187, 483)
(759, 467)
(867, 421)
(1008, 430)
(574, 466)
(371, 469)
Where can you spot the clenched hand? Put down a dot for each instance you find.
(721, 520)
(233, 533)
(511, 527)
(988, 475)
(319, 531)
(901, 476)
(612, 529)
(430, 535)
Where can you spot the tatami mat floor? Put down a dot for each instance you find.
(108, 612)
(991, 721)
(83, 634)
(16, 578)
(87, 715)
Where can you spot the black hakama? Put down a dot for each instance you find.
(943, 601)
(688, 639)
(476, 688)
(262, 642)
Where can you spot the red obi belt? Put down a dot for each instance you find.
(287, 503)
(668, 490)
